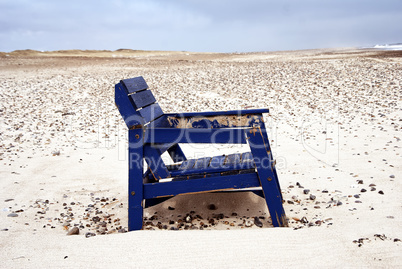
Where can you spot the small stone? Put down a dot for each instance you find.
(358, 202)
(12, 215)
(339, 203)
(304, 220)
(74, 231)
(258, 222)
(188, 219)
(392, 176)
(360, 181)
(312, 197)
(171, 208)
(372, 185)
(381, 192)
(397, 240)
(249, 223)
(290, 202)
(363, 190)
(324, 191)
(123, 230)
(212, 207)
(306, 191)
(373, 189)
(356, 196)
(4, 230)
(8, 200)
(87, 235)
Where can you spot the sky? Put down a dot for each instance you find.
(198, 25)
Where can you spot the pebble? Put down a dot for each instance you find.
(212, 207)
(74, 231)
(381, 192)
(363, 190)
(306, 191)
(312, 197)
(258, 222)
(304, 220)
(12, 215)
(249, 223)
(88, 234)
(392, 176)
(8, 200)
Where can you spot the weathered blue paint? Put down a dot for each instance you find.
(154, 190)
(135, 180)
(151, 133)
(143, 98)
(135, 84)
(268, 179)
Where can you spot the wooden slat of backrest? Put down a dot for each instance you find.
(126, 107)
(135, 84)
(149, 113)
(143, 98)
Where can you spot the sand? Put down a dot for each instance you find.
(335, 131)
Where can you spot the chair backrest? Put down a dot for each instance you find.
(136, 103)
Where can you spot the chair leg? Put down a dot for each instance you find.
(268, 147)
(267, 175)
(135, 180)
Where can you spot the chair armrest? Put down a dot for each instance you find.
(219, 113)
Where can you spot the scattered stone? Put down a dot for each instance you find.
(249, 223)
(74, 231)
(258, 222)
(8, 200)
(359, 181)
(356, 196)
(4, 230)
(373, 189)
(290, 202)
(397, 240)
(304, 220)
(381, 192)
(123, 230)
(324, 191)
(372, 185)
(12, 215)
(87, 235)
(306, 191)
(392, 176)
(171, 208)
(312, 197)
(188, 219)
(363, 190)
(212, 207)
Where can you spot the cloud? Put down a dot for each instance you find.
(195, 25)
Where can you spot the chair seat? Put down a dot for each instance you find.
(237, 163)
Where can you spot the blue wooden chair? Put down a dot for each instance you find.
(151, 133)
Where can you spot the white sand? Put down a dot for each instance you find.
(335, 119)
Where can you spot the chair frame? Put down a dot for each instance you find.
(151, 133)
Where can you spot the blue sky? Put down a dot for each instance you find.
(198, 25)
